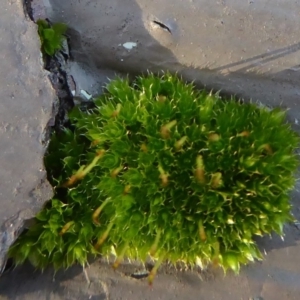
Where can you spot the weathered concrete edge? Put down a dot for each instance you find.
(39, 190)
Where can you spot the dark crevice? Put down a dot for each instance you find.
(139, 275)
(9, 265)
(28, 9)
(163, 26)
(58, 78)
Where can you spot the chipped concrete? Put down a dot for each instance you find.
(26, 100)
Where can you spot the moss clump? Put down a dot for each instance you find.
(161, 169)
(51, 37)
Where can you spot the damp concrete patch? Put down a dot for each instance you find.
(26, 100)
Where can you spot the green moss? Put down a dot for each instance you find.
(51, 36)
(161, 169)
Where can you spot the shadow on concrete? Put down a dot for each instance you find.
(24, 281)
(260, 60)
(291, 231)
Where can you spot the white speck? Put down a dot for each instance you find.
(230, 221)
(129, 45)
(73, 92)
(86, 94)
(122, 59)
(296, 121)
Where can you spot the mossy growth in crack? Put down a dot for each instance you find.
(161, 170)
(56, 56)
(51, 36)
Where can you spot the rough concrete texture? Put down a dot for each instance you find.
(26, 99)
(249, 48)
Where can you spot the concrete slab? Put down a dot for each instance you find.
(248, 48)
(26, 100)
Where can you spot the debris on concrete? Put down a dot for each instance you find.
(129, 45)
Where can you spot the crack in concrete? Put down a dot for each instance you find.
(27, 9)
(105, 288)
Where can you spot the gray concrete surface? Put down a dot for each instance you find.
(248, 48)
(26, 100)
